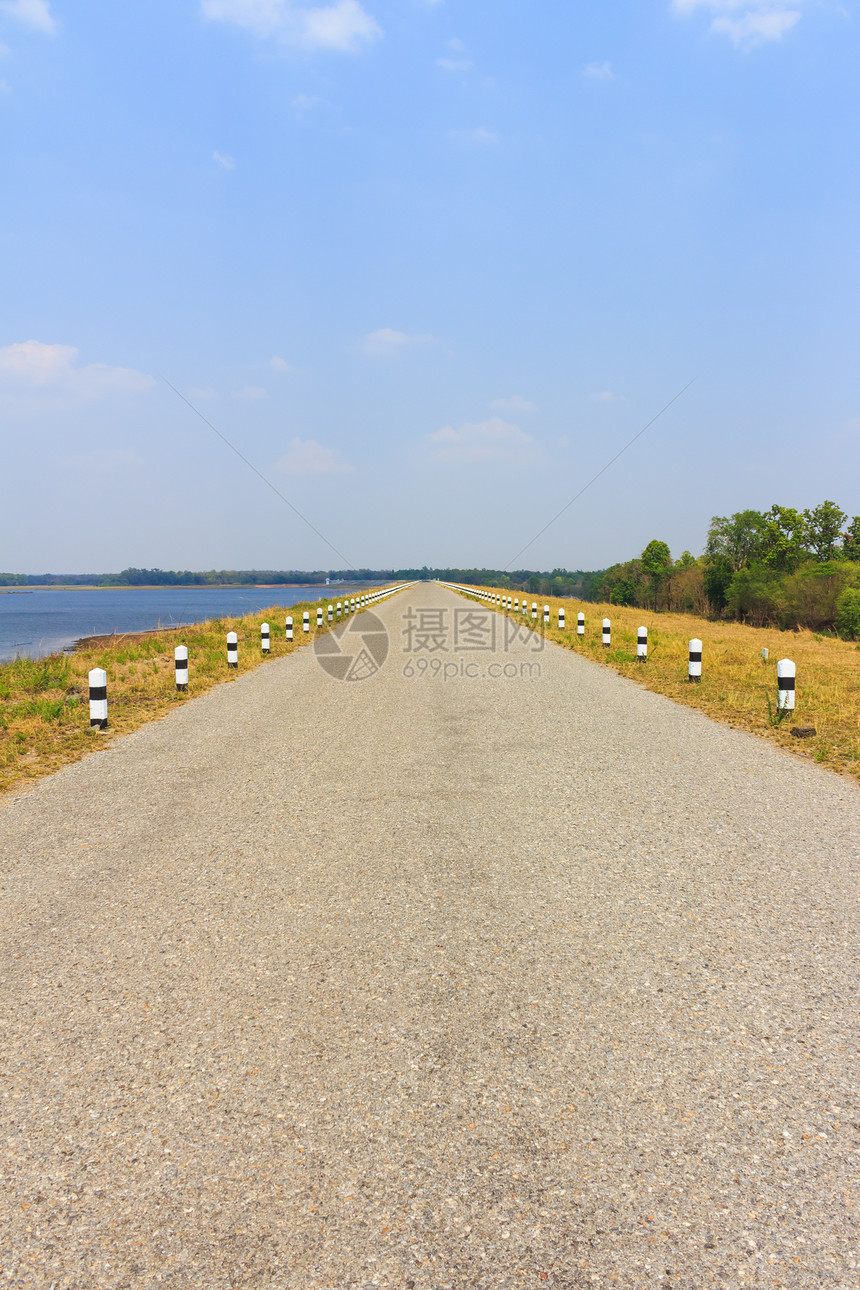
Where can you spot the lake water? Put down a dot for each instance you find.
(45, 619)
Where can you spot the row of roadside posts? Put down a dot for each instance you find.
(786, 672)
(336, 611)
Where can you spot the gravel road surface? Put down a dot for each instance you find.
(422, 981)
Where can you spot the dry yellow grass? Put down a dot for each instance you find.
(735, 681)
(44, 704)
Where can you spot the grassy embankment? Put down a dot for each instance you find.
(44, 703)
(735, 683)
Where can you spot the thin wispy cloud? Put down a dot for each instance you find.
(386, 342)
(482, 441)
(746, 22)
(307, 457)
(33, 13)
(31, 368)
(514, 403)
(480, 136)
(224, 160)
(279, 364)
(343, 26)
(599, 71)
(606, 396)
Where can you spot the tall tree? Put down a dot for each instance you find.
(738, 539)
(824, 529)
(657, 564)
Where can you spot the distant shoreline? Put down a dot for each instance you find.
(177, 586)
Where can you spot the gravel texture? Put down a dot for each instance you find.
(479, 982)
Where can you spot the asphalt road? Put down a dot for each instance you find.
(504, 974)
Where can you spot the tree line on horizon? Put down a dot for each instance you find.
(782, 567)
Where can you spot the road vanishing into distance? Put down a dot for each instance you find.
(490, 969)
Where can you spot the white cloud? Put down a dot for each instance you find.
(35, 13)
(30, 367)
(516, 403)
(746, 22)
(224, 160)
(343, 25)
(387, 341)
(599, 71)
(254, 392)
(307, 457)
(606, 396)
(304, 104)
(479, 136)
(279, 364)
(493, 440)
(454, 64)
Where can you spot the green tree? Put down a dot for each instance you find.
(823, 529)
(686, 561)
(738, 539)
(851, 540)
(657, 564)
(784, 539)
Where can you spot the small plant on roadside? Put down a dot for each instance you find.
(776, 716)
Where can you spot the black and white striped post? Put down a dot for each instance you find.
(695, 665)
(264, 637)
(546, 615)
(330, 615)
(319, 616)
(306, 621)
(534, 609)
(517, 604)
(351, 606)
(289, 626)
(98, 698)
(642, 644)
(580, 624)
(180, 659)
(607, 632)
(232, 649)
(339, 609)
(786, 675)
(561, 618)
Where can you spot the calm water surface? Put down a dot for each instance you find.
(46, 619)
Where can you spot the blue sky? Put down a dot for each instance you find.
(428, 266)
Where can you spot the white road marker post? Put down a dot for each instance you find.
(319, 616)
(580, 624)
(232, 649)
(306, 621)
(764, 655)
(561, 619)
(517, 604)
(534, 609)
(330, 615)
(786, 675)
(289, 627)
(339, 608)
(546, 615)
(264, 637)
(695, 664)
(180, 658)
(642, 644)
(607, 632)
(98, 699)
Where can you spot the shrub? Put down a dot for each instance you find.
(848, 613)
